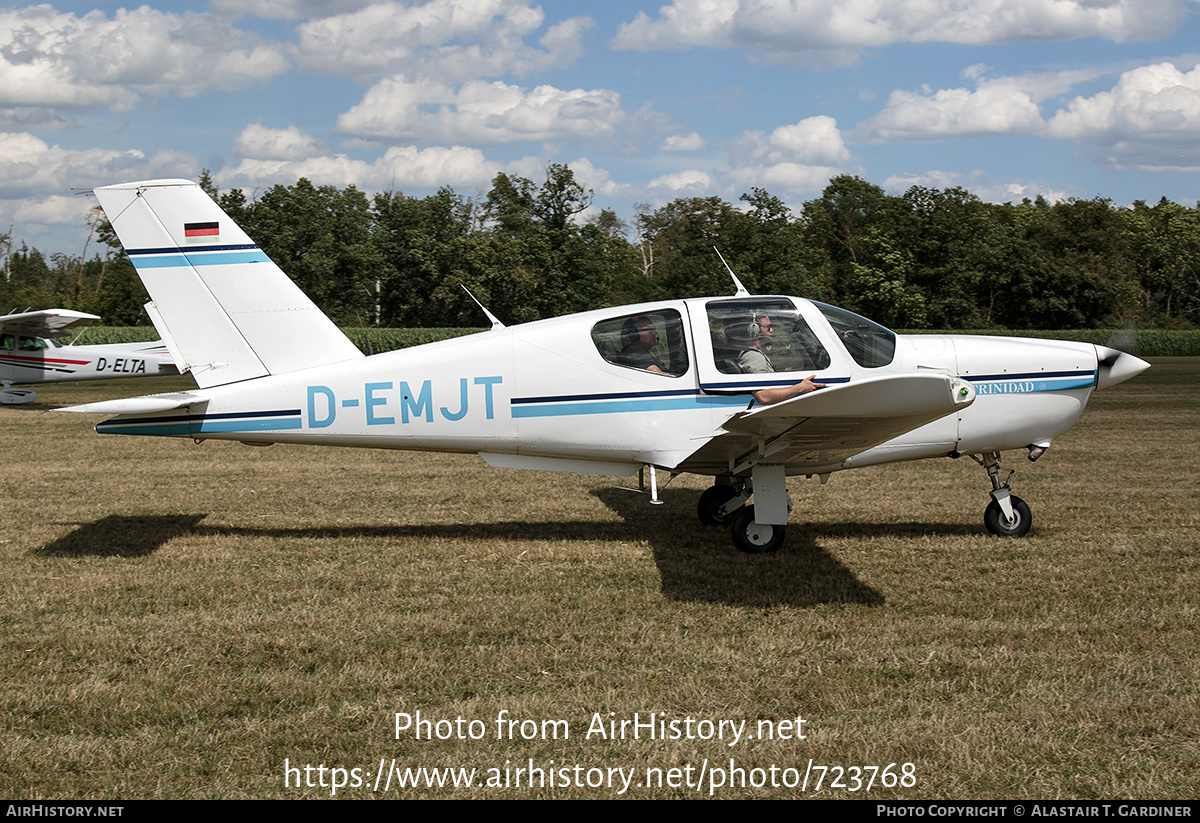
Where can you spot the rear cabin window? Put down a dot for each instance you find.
(652, 342)
(755, 336)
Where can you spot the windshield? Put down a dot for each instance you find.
(870, 344)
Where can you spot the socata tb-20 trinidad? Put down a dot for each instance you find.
(29, 353)
(746, 389)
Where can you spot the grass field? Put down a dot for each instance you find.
(181, 621)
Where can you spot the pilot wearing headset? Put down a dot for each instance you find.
(749, 334)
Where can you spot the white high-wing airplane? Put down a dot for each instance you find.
(29, 353)
(671, 385)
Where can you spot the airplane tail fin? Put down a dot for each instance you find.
(225, 311)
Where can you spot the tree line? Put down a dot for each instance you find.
(927, 258)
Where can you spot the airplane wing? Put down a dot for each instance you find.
(45, 323)
(820, 430)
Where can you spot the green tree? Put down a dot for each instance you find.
(1166, 243)
(684, 236)
(321, 237)
(772, 255)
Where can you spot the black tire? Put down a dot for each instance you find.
(993, 518)
(711, 500)
(755, 538)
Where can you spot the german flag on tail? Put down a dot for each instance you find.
(201, 230)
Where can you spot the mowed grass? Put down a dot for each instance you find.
(180, 620)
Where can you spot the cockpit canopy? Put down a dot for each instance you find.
(763, 334)
(748, 335)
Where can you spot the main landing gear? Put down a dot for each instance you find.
(1007, 515)
(725, 503)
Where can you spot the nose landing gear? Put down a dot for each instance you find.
(1007, 515)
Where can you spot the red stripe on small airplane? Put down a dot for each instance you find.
(55, 360)
(201, 229)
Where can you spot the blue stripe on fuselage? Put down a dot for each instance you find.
(586, 405)
(992, 384)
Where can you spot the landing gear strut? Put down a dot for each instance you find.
(1007, 515)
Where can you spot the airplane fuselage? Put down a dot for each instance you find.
(545, 395)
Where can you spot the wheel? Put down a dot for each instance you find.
(993, 518)
(755, 538)
(711, 501)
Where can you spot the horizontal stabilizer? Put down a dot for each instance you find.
(148, 404)
(225, 310)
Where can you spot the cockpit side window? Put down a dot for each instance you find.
(870, 344)
(652, 342)
(32, 344)
(751, 336)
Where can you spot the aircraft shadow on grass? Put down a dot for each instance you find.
(695, 562)
(122, 536)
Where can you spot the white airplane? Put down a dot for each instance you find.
(715, 387)
(29, 353)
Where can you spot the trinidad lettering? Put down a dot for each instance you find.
(1012, 387)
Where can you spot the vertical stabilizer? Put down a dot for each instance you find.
(226, 311)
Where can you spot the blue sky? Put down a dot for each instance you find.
(646, 101)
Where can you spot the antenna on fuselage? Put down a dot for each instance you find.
(496, 324)
(741, 290)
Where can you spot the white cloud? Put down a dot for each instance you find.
(36, 117)
(993, 108)
(1004, 105)
(1149, 120)
(779, 30)
(482, 113)
(600, 181)
(261, 143)
(37, 179)
(447, 39)
(684, 142)
(978, 183)
(682, 183)
(53, 59)
(814, 141)
(31, 167)
(400, 168)
(790, 179)
(285, 9)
